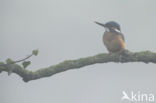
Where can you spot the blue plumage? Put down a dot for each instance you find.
(113, 24)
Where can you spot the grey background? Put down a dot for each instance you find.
(65, 29)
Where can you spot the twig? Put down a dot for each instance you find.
(13, 62)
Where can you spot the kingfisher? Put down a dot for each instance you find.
(113, 38)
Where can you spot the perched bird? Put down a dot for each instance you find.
(113, 38)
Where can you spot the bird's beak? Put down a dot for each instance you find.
(100, 24)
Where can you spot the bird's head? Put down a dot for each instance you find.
(110, 26)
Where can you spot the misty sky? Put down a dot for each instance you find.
(65, 29)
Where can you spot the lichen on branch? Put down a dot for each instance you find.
(126, 56)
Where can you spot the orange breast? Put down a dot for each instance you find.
(113, 42)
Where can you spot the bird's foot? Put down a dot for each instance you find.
(125, 55)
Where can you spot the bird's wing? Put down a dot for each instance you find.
(119, 32)
(122, 36)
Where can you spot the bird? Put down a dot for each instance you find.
(113, 38)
